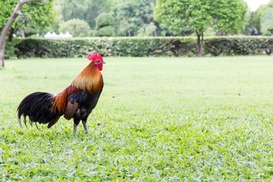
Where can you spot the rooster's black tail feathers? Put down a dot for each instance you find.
(38, 107)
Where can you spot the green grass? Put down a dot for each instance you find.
(158, 119)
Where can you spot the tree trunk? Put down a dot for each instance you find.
(14, 15)
(10, 34)
(5, 30)
(2, 50)
(199, 45)
(23, 35)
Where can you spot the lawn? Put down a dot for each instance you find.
(158, 119)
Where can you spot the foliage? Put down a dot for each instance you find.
(35, 14)
(10, 49)
(107, 46)
(201, 15)
(51, 48)
(216, 46)
(266, 20)
(198, 120)
(141, 47)
(163, 11)
(262, 18)
(147, 30)
(37, 21)
(7, 7)
(106, 31)
(131, 16)
(255, 22)
(104, 25)
(230, 16)
(86, 10)
(267, 33)
(76, 27)
(104, 19)
(42, 16)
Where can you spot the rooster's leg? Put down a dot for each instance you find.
(25, 121)
(85, 127)
(75, 129)
(76, 122)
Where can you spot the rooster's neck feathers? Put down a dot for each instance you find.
(89, 79)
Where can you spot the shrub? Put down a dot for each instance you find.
(106, 31)
(267, 33)
(104, 25)
(216, 46)
(139, 47)
(10, 50)
(76, 27)
(104, 19)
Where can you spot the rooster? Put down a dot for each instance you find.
(76, 101)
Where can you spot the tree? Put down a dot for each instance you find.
(8, 25)
(266, 20)
(261, 19)
(254, 23)
(76, 27)
(225, 15)
(36, 16)
(104, 23)
(133, 16)
(86, 10)
(147, 30)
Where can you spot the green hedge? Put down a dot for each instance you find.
(138, 47)
(216, 46)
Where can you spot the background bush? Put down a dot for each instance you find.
(104, 19)
(216, 46)
(104, 25)
(139, 47)
(106, 31)
(76, 27)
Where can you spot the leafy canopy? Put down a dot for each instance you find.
(35, 14)
(131, 15)
(265, 15)
(6, 9)
(86, 10)
(225, 15)
(104, 19)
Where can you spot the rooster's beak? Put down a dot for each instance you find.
(103, 62)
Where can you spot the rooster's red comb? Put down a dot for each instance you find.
(94, 56)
